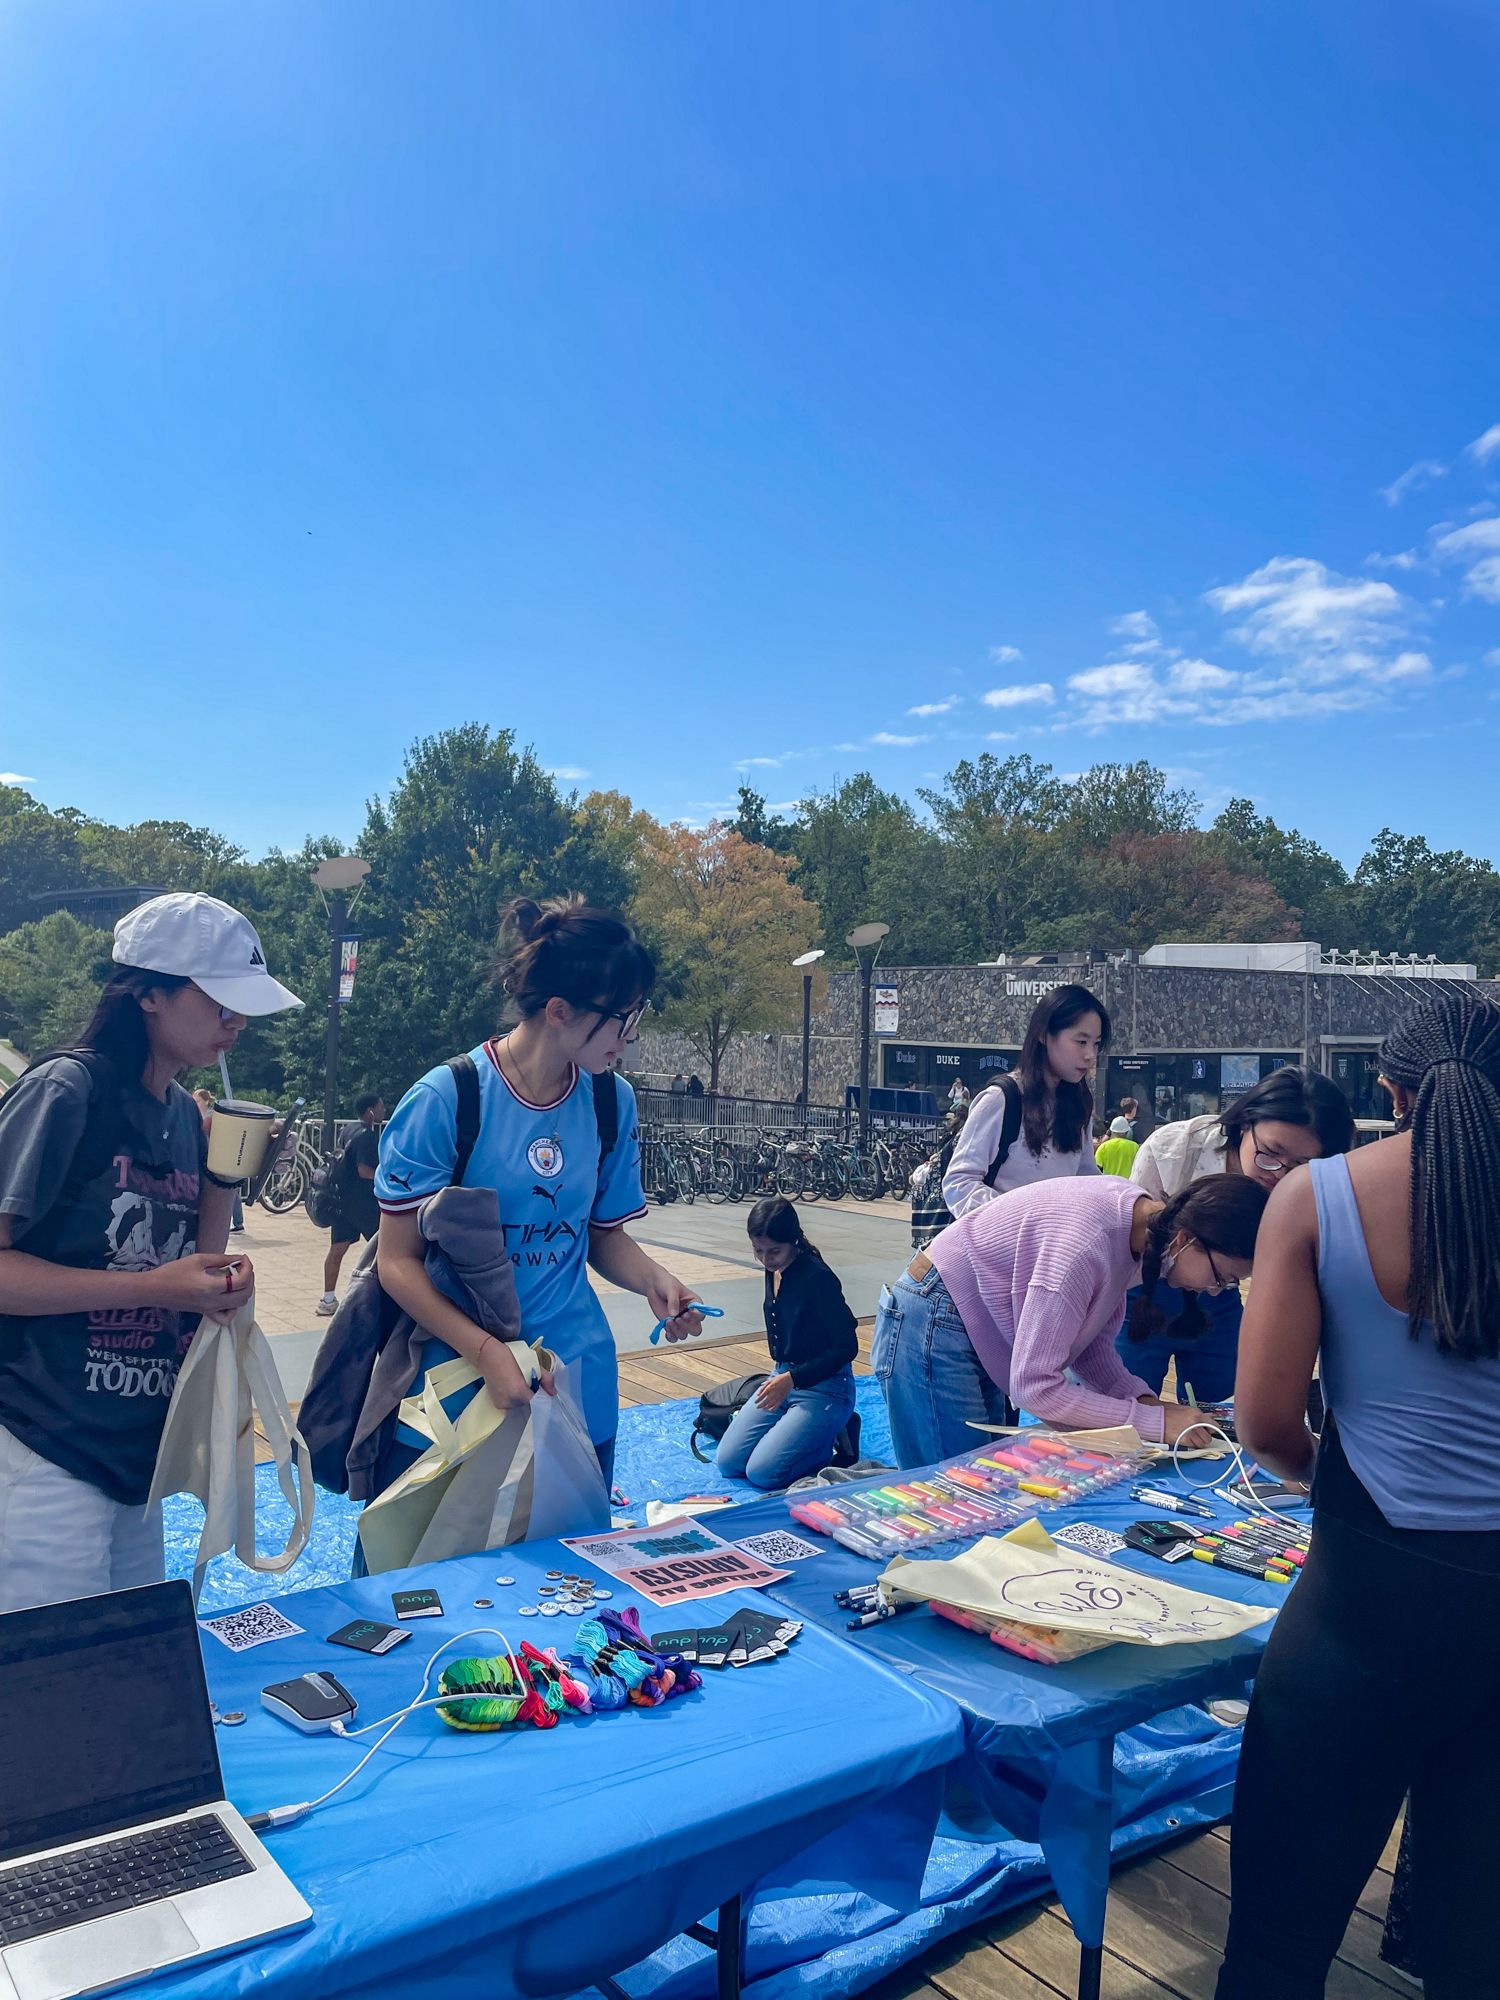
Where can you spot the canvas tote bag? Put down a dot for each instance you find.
(489, 1477)
(227, 1384)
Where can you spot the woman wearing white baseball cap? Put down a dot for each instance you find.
(112, 1237)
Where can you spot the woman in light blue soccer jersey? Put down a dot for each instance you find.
(567, 1172)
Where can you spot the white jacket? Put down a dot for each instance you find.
(1176, 1155)
(977, 1145)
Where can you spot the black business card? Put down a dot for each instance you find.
(368, 1635)
(416, 1604)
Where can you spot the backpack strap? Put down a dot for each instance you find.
(1010, 1125)
(606, 1113)
(466, 1079)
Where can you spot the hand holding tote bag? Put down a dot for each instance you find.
(208, 1445)
(489, 1478)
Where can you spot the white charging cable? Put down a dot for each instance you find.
(279, 1816)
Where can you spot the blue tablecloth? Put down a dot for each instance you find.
(1039, 1740)
(529, 1862)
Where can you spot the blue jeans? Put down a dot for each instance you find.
(934, 1383)
(1205, 1365)
(771, 1448)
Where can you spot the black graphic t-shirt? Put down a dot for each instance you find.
(89, 1390)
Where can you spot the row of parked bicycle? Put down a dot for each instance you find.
(680, 1163)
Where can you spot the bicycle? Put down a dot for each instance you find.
(289, 1183)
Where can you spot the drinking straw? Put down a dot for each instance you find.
(224, 1072)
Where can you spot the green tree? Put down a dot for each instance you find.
(1411, 897)
(1007, 869)
(1109, 800)
(864, 855)
(49, 980)
(753, 820)
(731, 922)
(1305, 876)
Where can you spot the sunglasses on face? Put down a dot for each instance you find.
(628, 1020)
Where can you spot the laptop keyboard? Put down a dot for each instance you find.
(89, 1882)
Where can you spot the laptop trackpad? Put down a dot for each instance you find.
(98, 1954)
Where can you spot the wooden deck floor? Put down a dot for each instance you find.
(1167, 1914)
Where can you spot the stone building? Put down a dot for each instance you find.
(1186, 1037)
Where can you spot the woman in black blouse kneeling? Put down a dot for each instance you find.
(787, 1430)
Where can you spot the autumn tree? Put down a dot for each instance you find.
(729, 921)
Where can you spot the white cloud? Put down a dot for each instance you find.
(1477, 547)
(15, 778)
(889, 742)
(846, 746)
(1486, 446)
(935, 707)
(785, 806)
(1006, 656)
(1001, 736)
(1295, 608)
(1200, 676)
(1415, 477)
(1134, 625)
(760, 763)
(1403, 559)
(1492, 657)
(1020, 696)
(569, 773)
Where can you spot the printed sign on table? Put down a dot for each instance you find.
(673, 1562)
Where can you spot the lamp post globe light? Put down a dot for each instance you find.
(334, 879)
(804, 964)
(865, 941)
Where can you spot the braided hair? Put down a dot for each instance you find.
(1448, 1055)
(1221, 1212)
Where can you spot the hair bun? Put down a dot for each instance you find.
(526, 919)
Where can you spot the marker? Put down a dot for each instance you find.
(1175, 1503)
(1220, 1559)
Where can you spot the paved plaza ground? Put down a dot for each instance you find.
(866, 1243)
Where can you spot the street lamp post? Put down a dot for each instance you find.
(865, 941)
(804, 965)
(334, 879)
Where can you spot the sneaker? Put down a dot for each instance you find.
(327, 1308)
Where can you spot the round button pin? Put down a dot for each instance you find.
(527, 1610)
(231, 1717)
(505, 1579)
(549, 1610)
(483, 1603)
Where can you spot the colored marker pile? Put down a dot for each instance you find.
(991, 1490)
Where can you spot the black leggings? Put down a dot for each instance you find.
(1381, 1677)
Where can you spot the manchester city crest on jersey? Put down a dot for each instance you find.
(546, 1157)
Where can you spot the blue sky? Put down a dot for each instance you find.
(837, 387)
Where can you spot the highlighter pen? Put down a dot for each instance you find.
(1265, 1545)
(1244, 1566)
(1041, 1489)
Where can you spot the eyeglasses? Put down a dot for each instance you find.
(1219, 1284)
(1269, 1164)
(628, 1021)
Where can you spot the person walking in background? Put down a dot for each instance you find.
(1016, 1303)
(1381, 1268)
(357, 1216)
(1291, 1116)
(1036, 1123)
(1116, 1154)
(788, 1427)
(929, 1212)
(1130, 1111)
(112, 1234)
(958, 1096)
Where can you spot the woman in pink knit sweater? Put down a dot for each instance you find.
(1018, 1301)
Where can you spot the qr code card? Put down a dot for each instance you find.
(777, 1546)
(1093, 1541)
(256, 1625)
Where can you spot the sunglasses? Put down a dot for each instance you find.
(629, 1020)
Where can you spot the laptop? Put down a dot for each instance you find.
(119, 1854)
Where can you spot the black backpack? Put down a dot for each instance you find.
(1010, 1124)
(717, 1409)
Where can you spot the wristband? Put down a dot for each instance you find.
(220, 1182)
